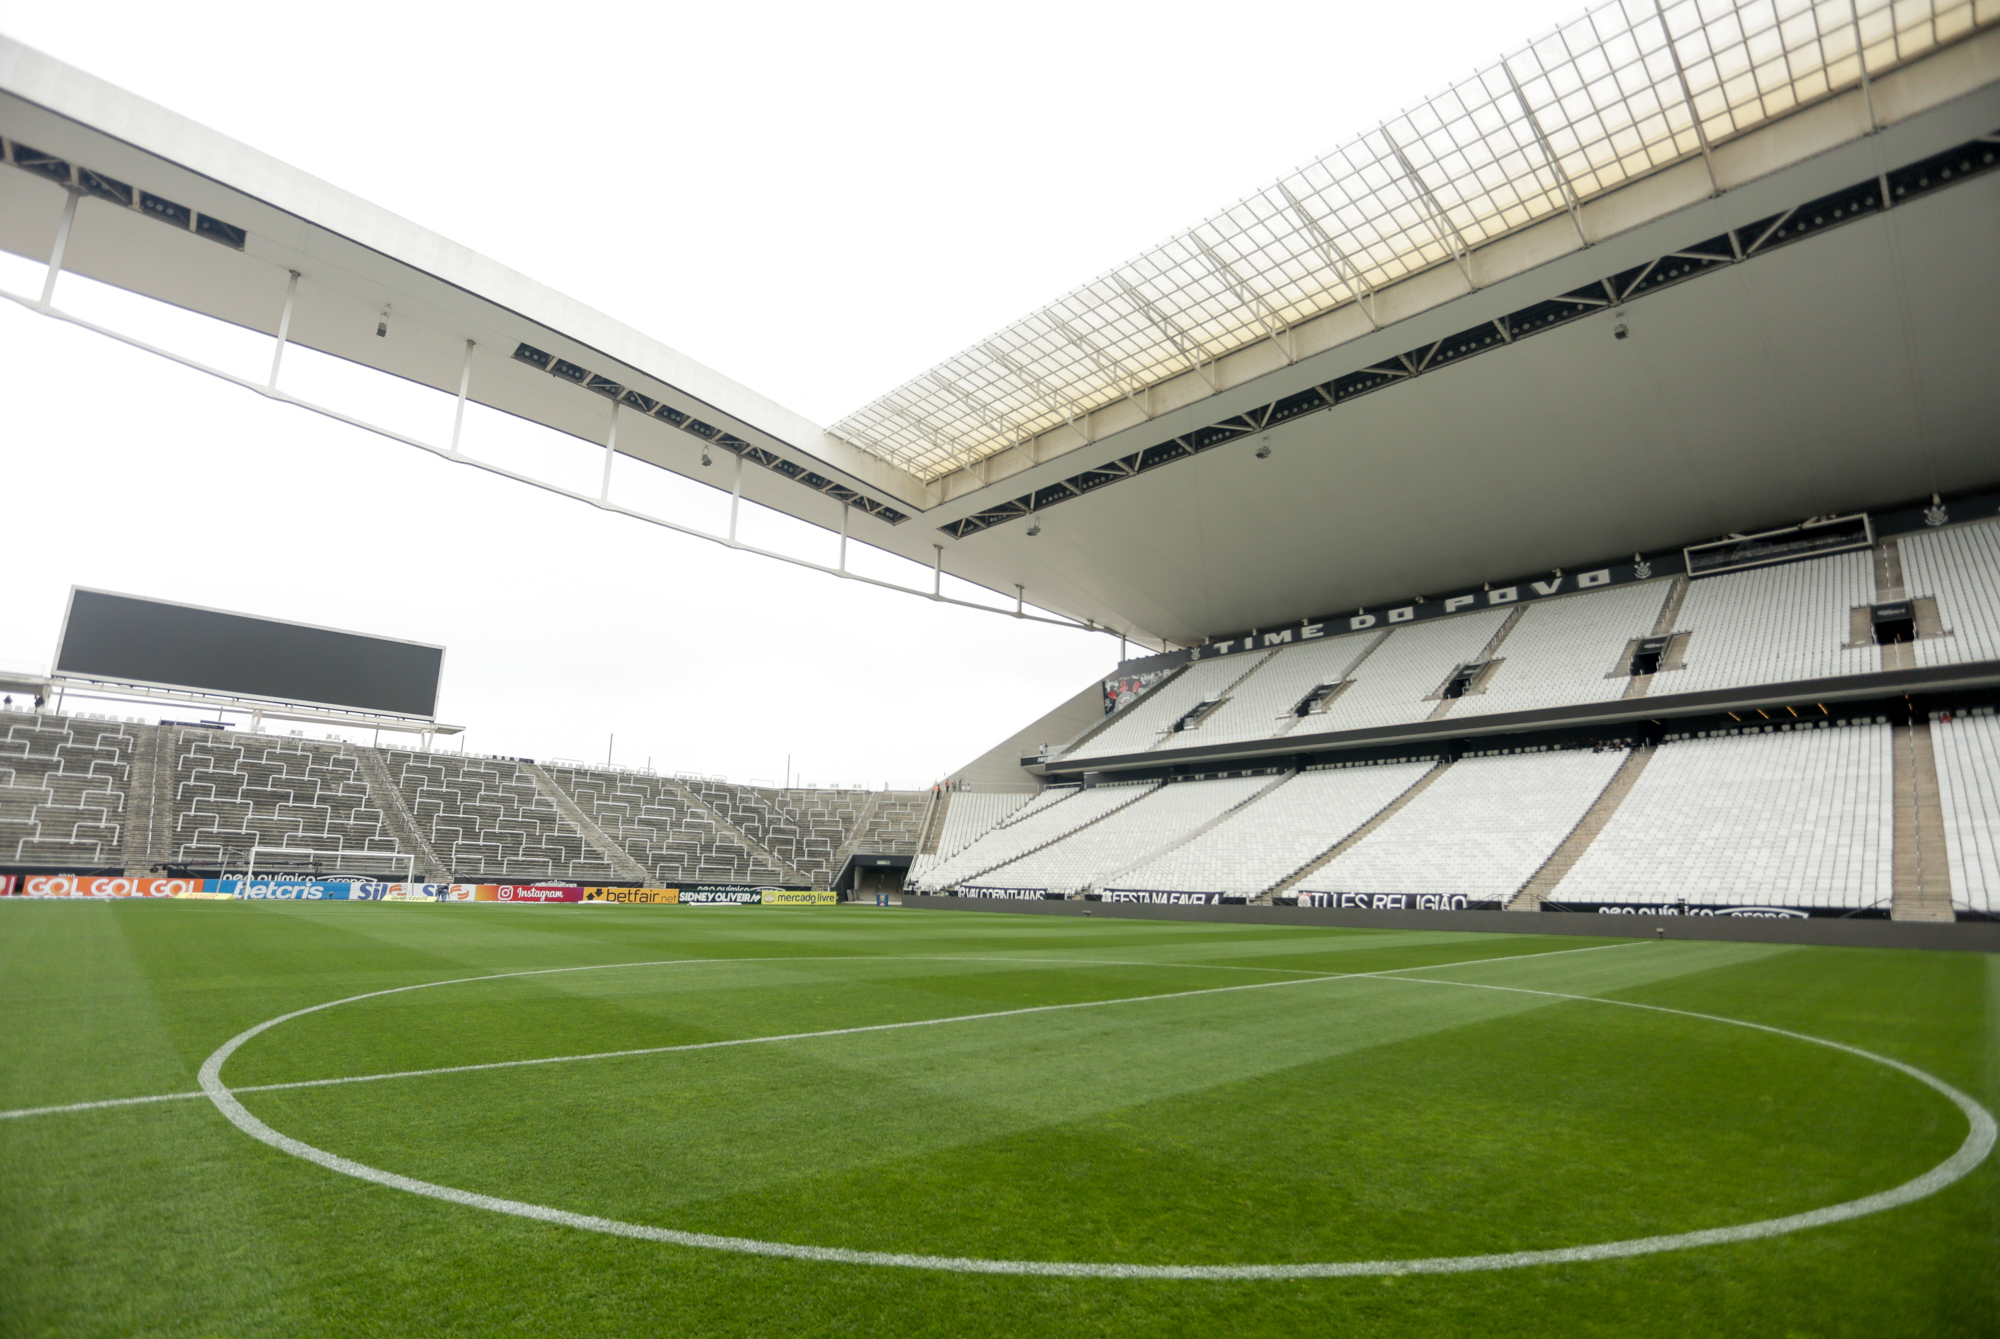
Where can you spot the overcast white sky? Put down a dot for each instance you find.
(818, 201)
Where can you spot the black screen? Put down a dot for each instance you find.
(129, 640)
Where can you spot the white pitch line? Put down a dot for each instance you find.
(24, 1112)
(1978, 1143)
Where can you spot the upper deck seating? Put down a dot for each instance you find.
(1401, 680)
(1261, 706)
(1775, 625)
(1960, 568)
(1568, 650)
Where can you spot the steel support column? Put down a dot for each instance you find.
(62, 244)
(464, 385)
(284, 327)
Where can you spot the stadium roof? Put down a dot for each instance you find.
(1419, 327)
(1622, 91)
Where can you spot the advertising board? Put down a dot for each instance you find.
(1397, 902)
(534, 894)
(610, 897)
(800, 897)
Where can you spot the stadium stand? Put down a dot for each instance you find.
(968, 816)
(1160, 818)
(486, 819)
(236, 792)
(1797, 818)
(1254, 849)
(1152, 715)
(1481, 829)
(1960, 568)
(1776, 624)
(1401, 681)
(62, 789)
(1568, 650)
(1053, 815)
(658, 824)
(1968, 768)
(1262, 705)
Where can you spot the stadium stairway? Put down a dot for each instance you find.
(787, 873)
(1921, 869)
(1110, 880)
(933, 828)
(622, 864)
(149, 802)
(1352, 839)
(427, 868)
(1537, 889)
(1675, 656)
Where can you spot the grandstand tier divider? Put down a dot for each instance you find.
(787, 872)
(1889, 582)
(1341, 847)
(622, 864)
(1920, 872)
(1869, 685)
(1561, 860)
(396, 815)
(1139, 792)
(1111, 880)
(1486, 656)
(1097, 728)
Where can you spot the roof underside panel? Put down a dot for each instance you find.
(1622, 91)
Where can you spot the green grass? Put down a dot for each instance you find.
(1326, 1119)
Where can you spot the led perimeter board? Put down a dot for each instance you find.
(128, 639)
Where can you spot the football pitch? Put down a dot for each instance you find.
(383, 1119)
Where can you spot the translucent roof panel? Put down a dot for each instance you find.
(1619, 92)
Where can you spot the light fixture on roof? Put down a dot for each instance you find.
(706, 459)
(382, 323)
(1034, 529)
(1264, 448)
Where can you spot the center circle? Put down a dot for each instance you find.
(1976, 1146)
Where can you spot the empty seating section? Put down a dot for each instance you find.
(970, 815)
(1056, 814)
(653, 821)
(62, 789)
(1774, 625)
(1568, 650)
(1391, 686)
(235, 792)
(1261, 705)
(1960, 567)
(1967, 749)
(1254, 849)
(1140, 726)
(1791, 818)
(896, 825)
(1165, 816)
(1481, 829)
(803, 828)
(485, 817)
